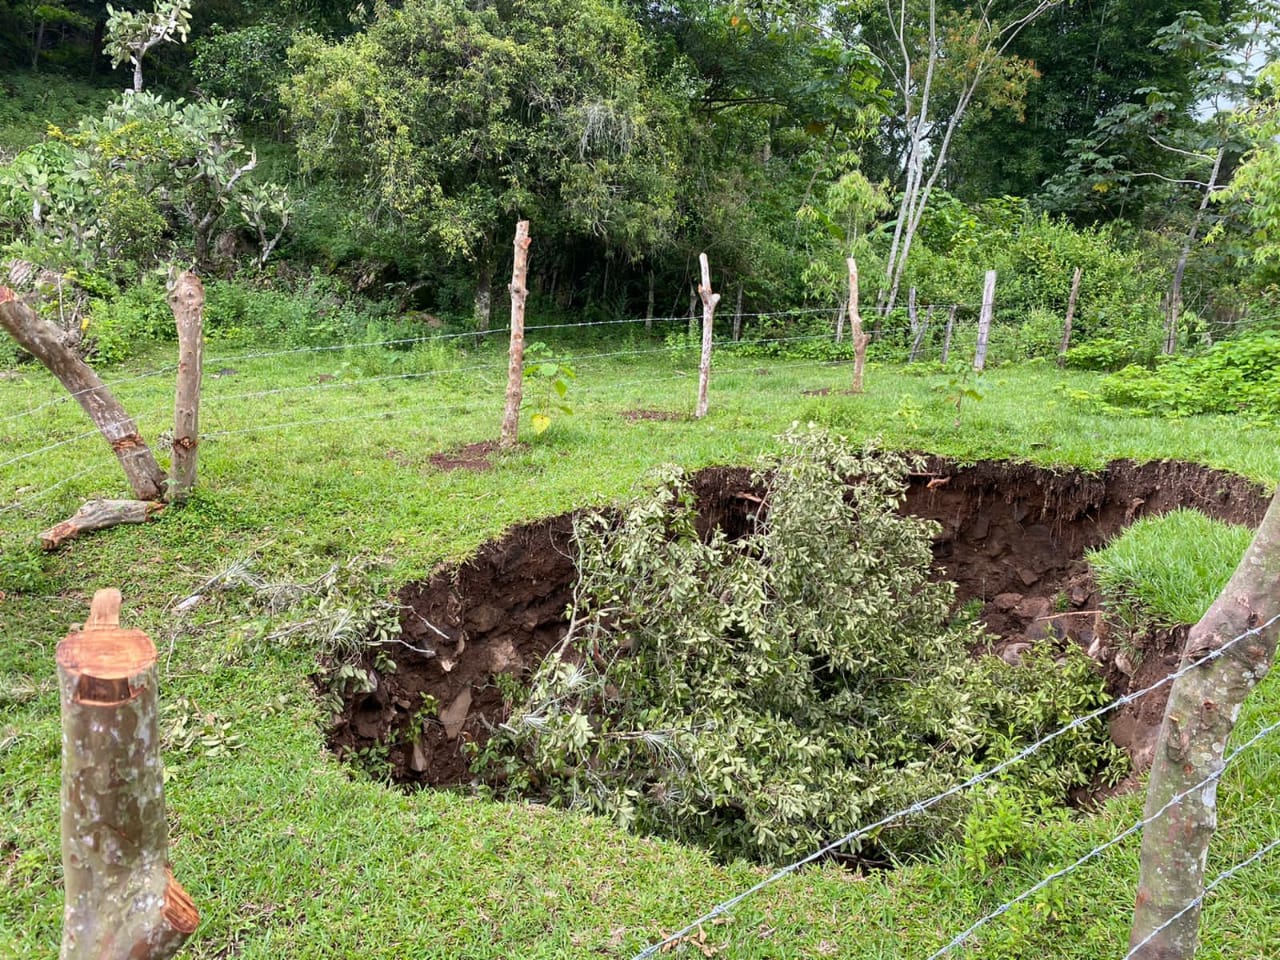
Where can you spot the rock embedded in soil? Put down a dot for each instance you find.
(1012, 535)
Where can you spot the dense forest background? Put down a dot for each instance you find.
(383, 152)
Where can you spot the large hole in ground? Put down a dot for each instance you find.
(1013, 538)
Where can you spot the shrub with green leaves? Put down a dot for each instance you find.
(1231, 377)
(764, 694)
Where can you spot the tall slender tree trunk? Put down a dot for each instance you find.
(648, 311)
(1173, 300)
(484, 289)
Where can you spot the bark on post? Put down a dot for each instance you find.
(709, 301)
(122, 901)
(186, 300)
(515, 355)
(1071, 315)
(984, 320)
(918, 340)
(860, 339)
(40, 339)
(1202, 709)
(946, 337)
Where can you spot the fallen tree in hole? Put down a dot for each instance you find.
(765, 694)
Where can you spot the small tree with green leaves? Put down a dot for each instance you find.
(130, 34)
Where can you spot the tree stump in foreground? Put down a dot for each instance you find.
(122, 901)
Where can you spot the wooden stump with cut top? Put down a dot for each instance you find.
(122, 901)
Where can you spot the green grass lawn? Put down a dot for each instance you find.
(314, 457)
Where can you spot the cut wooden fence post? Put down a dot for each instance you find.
(515, 355)
(1198, 719)
(40, 339)
(860, 339)
(709, 301)
(1071, 313)
(186, 300)
(946, 337)
(984, 320)
(122, 901)
(920, 335)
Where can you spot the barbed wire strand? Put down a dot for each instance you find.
(368, 415)
(1129, 831)
(1208, 889)
(216, 359)
(45, 491)
(922, 805)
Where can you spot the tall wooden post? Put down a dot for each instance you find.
(515, 355)
(946, 337)
(984, 320)
(860, 339)
(1198, 719)
(122, 901)
(918, 339)
(1071, 313)
(709, 301)
(186, 300)
(40, 339)
(737, 315)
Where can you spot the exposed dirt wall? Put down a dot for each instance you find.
(1012, 536)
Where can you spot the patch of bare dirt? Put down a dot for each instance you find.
(632, 416)
(1012, 537)
(474, 457)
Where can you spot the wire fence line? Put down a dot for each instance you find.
(387, 412)
(922, 805)
(1101, 848)
(217, 359)
(496, 367)
(1208, 889)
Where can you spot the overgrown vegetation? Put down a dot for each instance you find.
(1167, 570)
(763, 695)
(1241, 375)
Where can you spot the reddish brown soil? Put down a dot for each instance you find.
(631, 416)
(1012, 536)
(473, 456)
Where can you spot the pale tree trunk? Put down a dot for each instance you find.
(186, 300)
(984, 320)
(737, 315)
(946, 337)
(709, 301)
(40, 339)
(918, 340)
(122, 901)
(648, 313)
(1173, 300)
(860, 339)
(922, 154)
(840, 315)
(1202, 710)
(1071, 315)
(484, 289)
(515, 355)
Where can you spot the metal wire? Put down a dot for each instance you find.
(1139, 824)
(923, 805)
(1208, 889)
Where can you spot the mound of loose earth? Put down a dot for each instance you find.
(1013, 537)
